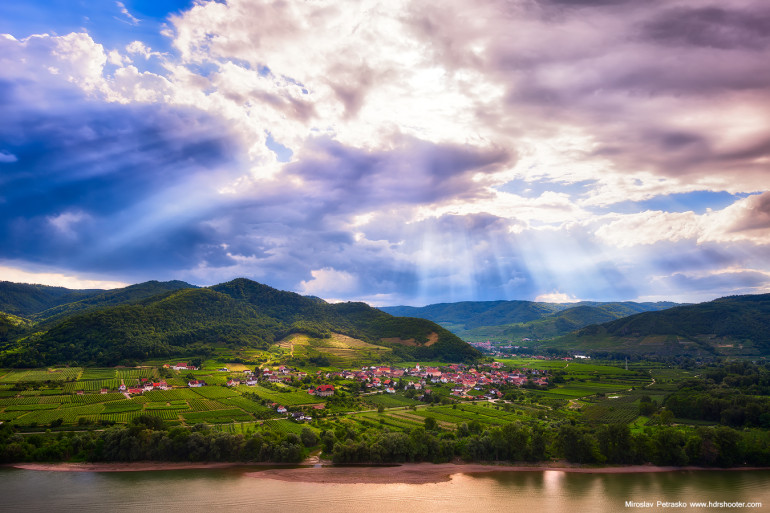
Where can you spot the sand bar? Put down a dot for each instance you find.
(409, 473)
(421, 473)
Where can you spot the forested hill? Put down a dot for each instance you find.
(472, 314)
(132, 325)
(41, 302)
(737, 325)
(512, 320)
(110, 298)
(27, 299)
(316, 317)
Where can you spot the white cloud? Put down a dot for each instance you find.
(66, 222)
(7, 157)
(56, 278)
(649, 227)
(329, 283)
(556, 297)
(137, 47)
(130, 17)
(746, 220)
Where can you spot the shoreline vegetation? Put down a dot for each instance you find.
(407, 473)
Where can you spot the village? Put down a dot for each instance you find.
(459, 381)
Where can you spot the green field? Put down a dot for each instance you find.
(390, 401)
(40, 375)
(288, 398)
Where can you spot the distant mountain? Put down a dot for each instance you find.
(514, 320)
(163, 319)
(26, 299)
(735, 325)
(113, 297)
(472, 314)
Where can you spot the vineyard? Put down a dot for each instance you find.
(288, 398)
(605, 414)
(134, 374)
(173, 405)
(41, 375)
(217, 416)
(390, 401)
(121, 406)
(284, 426)
(179, 394)
(97, 373)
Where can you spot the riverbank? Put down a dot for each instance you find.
(408, 473)
(423, 473)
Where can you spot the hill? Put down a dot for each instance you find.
(410, 338)
(735, 325)
(133, 324)
(473, 314)
(114, 297)
(25, 299)
(107, 298)
(12, 327)
(476, 321)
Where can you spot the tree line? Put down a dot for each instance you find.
(146, 438)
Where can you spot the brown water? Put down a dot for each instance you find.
(232, 490)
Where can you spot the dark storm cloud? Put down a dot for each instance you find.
(694, 258)
(415, 172)
(739, 282)
(711, 27)
(91, 181)
(586, 3)
(627, 74)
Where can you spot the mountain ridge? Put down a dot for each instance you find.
(517, 319)
(731, 325)
(135, 324)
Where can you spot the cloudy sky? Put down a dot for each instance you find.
(399, 152)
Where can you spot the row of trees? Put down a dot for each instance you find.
(146, 439)
(606, 444)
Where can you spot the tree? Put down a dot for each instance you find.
(430, 424)
(308, 437)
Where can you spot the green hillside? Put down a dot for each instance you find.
(188, 321)
(736, 325)
(26, 299)
(171, 323)
(109, 298)
(410, 338)
(12, 327)
(301, 314)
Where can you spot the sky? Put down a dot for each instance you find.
(396, 152)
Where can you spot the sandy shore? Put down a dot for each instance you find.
(410, 473)
(421, 473)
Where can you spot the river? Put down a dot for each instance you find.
(240, 489)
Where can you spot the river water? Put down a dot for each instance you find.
(234, 490)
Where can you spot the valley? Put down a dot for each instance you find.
(257, 374)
